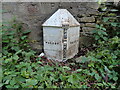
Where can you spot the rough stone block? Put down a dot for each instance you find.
(87, 19)
(7, 17)
(85, 41)
(90, 24)
(87, 29)
(93, 5)
(82, 24)
(9, 7)
(92, 11)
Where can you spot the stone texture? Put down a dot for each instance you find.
(82, 24)
(85, 41)
(7, 17)
(90, 24)
(87, 19)
(33, 14)
(87, 29)
(9, 7)
(93, 5)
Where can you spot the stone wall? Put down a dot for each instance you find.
(33, 14)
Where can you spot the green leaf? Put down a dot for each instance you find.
(97, 37)
(73, 79)
(31, 81)
(20, 79)
(78, 70)
(9, 86)
(18, 52)
(114, 24)
(1, 85)
(23, 37)
(16, 86)
(8, 60)
(97, 77)
(115, 78)
(84, 59)
(15, 57)
(91, 64)
(70, 79)
(105, 38)
(106, 69)
(16, 48)
(66, 67)
(104, 29)
(7, 82)
(39, 62)
(26, 32)
(105, 19)
(13, 82)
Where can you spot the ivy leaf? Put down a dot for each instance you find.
(70, 79)
(84, 59)
(39, 62)
(65, 67)
(23, 37)
(8, 60)
(97, 26)
(16, 48)
(15, 57)
(31, 81)
(105, 19)
(105, 38)
(106, 69)
(114, 24)
(115, 78)
(73, 79)
(7, 82)
(26, 32)
(13, 82)
(78, 70)
(97, 77)
(1, 84)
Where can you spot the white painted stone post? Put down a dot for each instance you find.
(61, 36)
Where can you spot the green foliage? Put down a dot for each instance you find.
(99, 69)
(15, 51)
(104, 61)
(100, 33)
(108, 27)
(21, 68)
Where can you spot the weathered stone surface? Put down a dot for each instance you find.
(87, 19)
(87, 29)
(92, 11)
(93, 5)
(85, 41)
(82, 24)
(7, 17)
(9, 7)
(33, 14)
(37, 46)
(90, 24)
